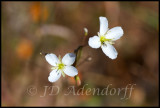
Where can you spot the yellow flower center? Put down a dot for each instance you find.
(60, 66)
(103, 39)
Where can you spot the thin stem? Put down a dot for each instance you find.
(78, 53)
(86, 59)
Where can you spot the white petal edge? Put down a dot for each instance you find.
(70, 71)
(51, 59)
(109, 51)
(54, 76)
(115, 33)
(103, 25)
(94, 42)
(69, 59)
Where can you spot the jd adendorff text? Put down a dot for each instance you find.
(124, 93)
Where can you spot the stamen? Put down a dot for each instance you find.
(53, 68)
(104, 40)
(63, 73)
(61, 66)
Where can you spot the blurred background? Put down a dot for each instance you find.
(29, 28)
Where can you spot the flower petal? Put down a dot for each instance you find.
(70, 71)
(69, 59)
(54, 75)
(94, 42)
(114, 33)
(110, 51)
(103, 25)
(52, 59)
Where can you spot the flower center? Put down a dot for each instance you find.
(60, 66)
(103, 40)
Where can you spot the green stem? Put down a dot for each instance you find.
(78, 53)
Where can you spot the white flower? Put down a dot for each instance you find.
(106, 38)
(61, 66)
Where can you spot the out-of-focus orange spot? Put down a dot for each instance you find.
(24, 49)
(45, 14)
(38, 12)
(35, 11)
(138, 96)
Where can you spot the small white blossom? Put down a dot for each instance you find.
(61, 66)
(106, 38)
